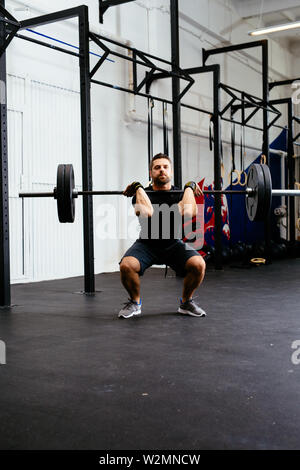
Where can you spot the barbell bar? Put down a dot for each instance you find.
(258, 192)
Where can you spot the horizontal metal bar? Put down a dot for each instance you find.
(112, 3)
(280, 101)
(145, 64)
(52, 17)
(234, 47)
(282, 82)
(248, 104)
(136, 61)
(50, 46)
(205, 191)
(190, 71)
(145, 95)
(285, 192)
(248, 191)
(241, 124)
(202, 69)
(200, 110)
(127, 90)
(60, 49)
(36, 194)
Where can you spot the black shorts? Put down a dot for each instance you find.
(174, 255)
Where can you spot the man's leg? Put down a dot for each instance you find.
(195, 270)
(136, 260)
(129, 268)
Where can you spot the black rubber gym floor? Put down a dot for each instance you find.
(77, 377)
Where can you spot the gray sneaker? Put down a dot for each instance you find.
(131, 309)
(191, 308)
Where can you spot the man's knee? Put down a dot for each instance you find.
(196, 265)
(129, 264)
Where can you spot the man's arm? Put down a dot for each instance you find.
(187, 206)
(142, 205)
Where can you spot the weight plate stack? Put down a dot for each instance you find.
(258, 202)
(65, 185)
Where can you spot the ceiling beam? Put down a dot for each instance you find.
(250, 8)
(289, 15)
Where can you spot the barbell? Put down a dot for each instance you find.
(258, 192)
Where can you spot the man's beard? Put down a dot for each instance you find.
(158, 182)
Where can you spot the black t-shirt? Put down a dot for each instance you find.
(165, 225)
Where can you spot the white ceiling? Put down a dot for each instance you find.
(262, 13)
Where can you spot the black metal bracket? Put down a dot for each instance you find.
(11, 26)
(287, 101)
(158, 76)
(296, 137)
(61, 15)
(282, 82)
(232, 48)
(105, 4)
(247, 101)
(138, 58)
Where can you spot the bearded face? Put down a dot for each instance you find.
(161, 172)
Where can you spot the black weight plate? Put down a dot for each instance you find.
(60, 192)
(255, 202)
(64, 193)
(69, 188)
(268, 190)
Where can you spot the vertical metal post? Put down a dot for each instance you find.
(176, 110)
(265, 148)
(265, 95)
(291, 173)
(5, 298)
(217, 167)
(86, 143)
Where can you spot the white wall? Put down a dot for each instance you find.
(44, 120)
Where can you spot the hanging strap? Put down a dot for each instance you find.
(222, 161)
(233, 146)
(150, 130)
(210, 130)
(165, 128)
(243, 175)
(233, 167)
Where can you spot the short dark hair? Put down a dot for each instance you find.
(157, 156)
